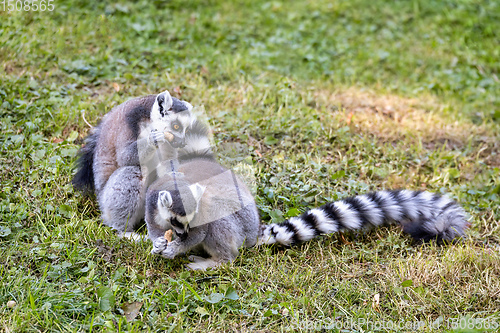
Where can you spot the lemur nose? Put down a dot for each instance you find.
(178, 142)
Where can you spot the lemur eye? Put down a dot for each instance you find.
(176, 127)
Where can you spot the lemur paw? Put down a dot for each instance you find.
(159, 245)
(170, 252)
(156, 137)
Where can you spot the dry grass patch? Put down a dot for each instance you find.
(392, 118)
(424, 121)
(459, 265)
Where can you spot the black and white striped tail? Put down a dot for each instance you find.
(423, 215)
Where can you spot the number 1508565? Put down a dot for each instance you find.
(27, 5)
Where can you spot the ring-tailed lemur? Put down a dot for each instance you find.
(208, 207)
(123, 153)
(185, 202)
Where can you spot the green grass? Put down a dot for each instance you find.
(329, 99)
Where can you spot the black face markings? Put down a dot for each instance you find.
(177, 126)
(182, 235)
(174, 222)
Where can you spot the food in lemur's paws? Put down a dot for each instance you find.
(168, 136)
(168, 235)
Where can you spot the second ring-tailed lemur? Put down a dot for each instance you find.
(123, 153)
(218, 215)
(208, 207)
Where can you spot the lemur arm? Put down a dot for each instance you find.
(157, 235)
(155, 231)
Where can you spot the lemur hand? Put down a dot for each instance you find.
(159, 245)
(171, 251)
(156, 137)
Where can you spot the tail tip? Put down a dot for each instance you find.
(447, 227)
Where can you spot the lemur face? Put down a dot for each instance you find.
(178, 124)
(172, 115)
(180, 206)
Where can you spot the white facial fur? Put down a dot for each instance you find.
(185, 219)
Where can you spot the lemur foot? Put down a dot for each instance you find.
(134, 236)
(202, 265)
(196, 258)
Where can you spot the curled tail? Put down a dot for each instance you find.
(197, 143)
(84, 177)
(423, 215)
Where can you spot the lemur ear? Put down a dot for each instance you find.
(197, 191)
(188, 105)
(164, 102)
(165, 199)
